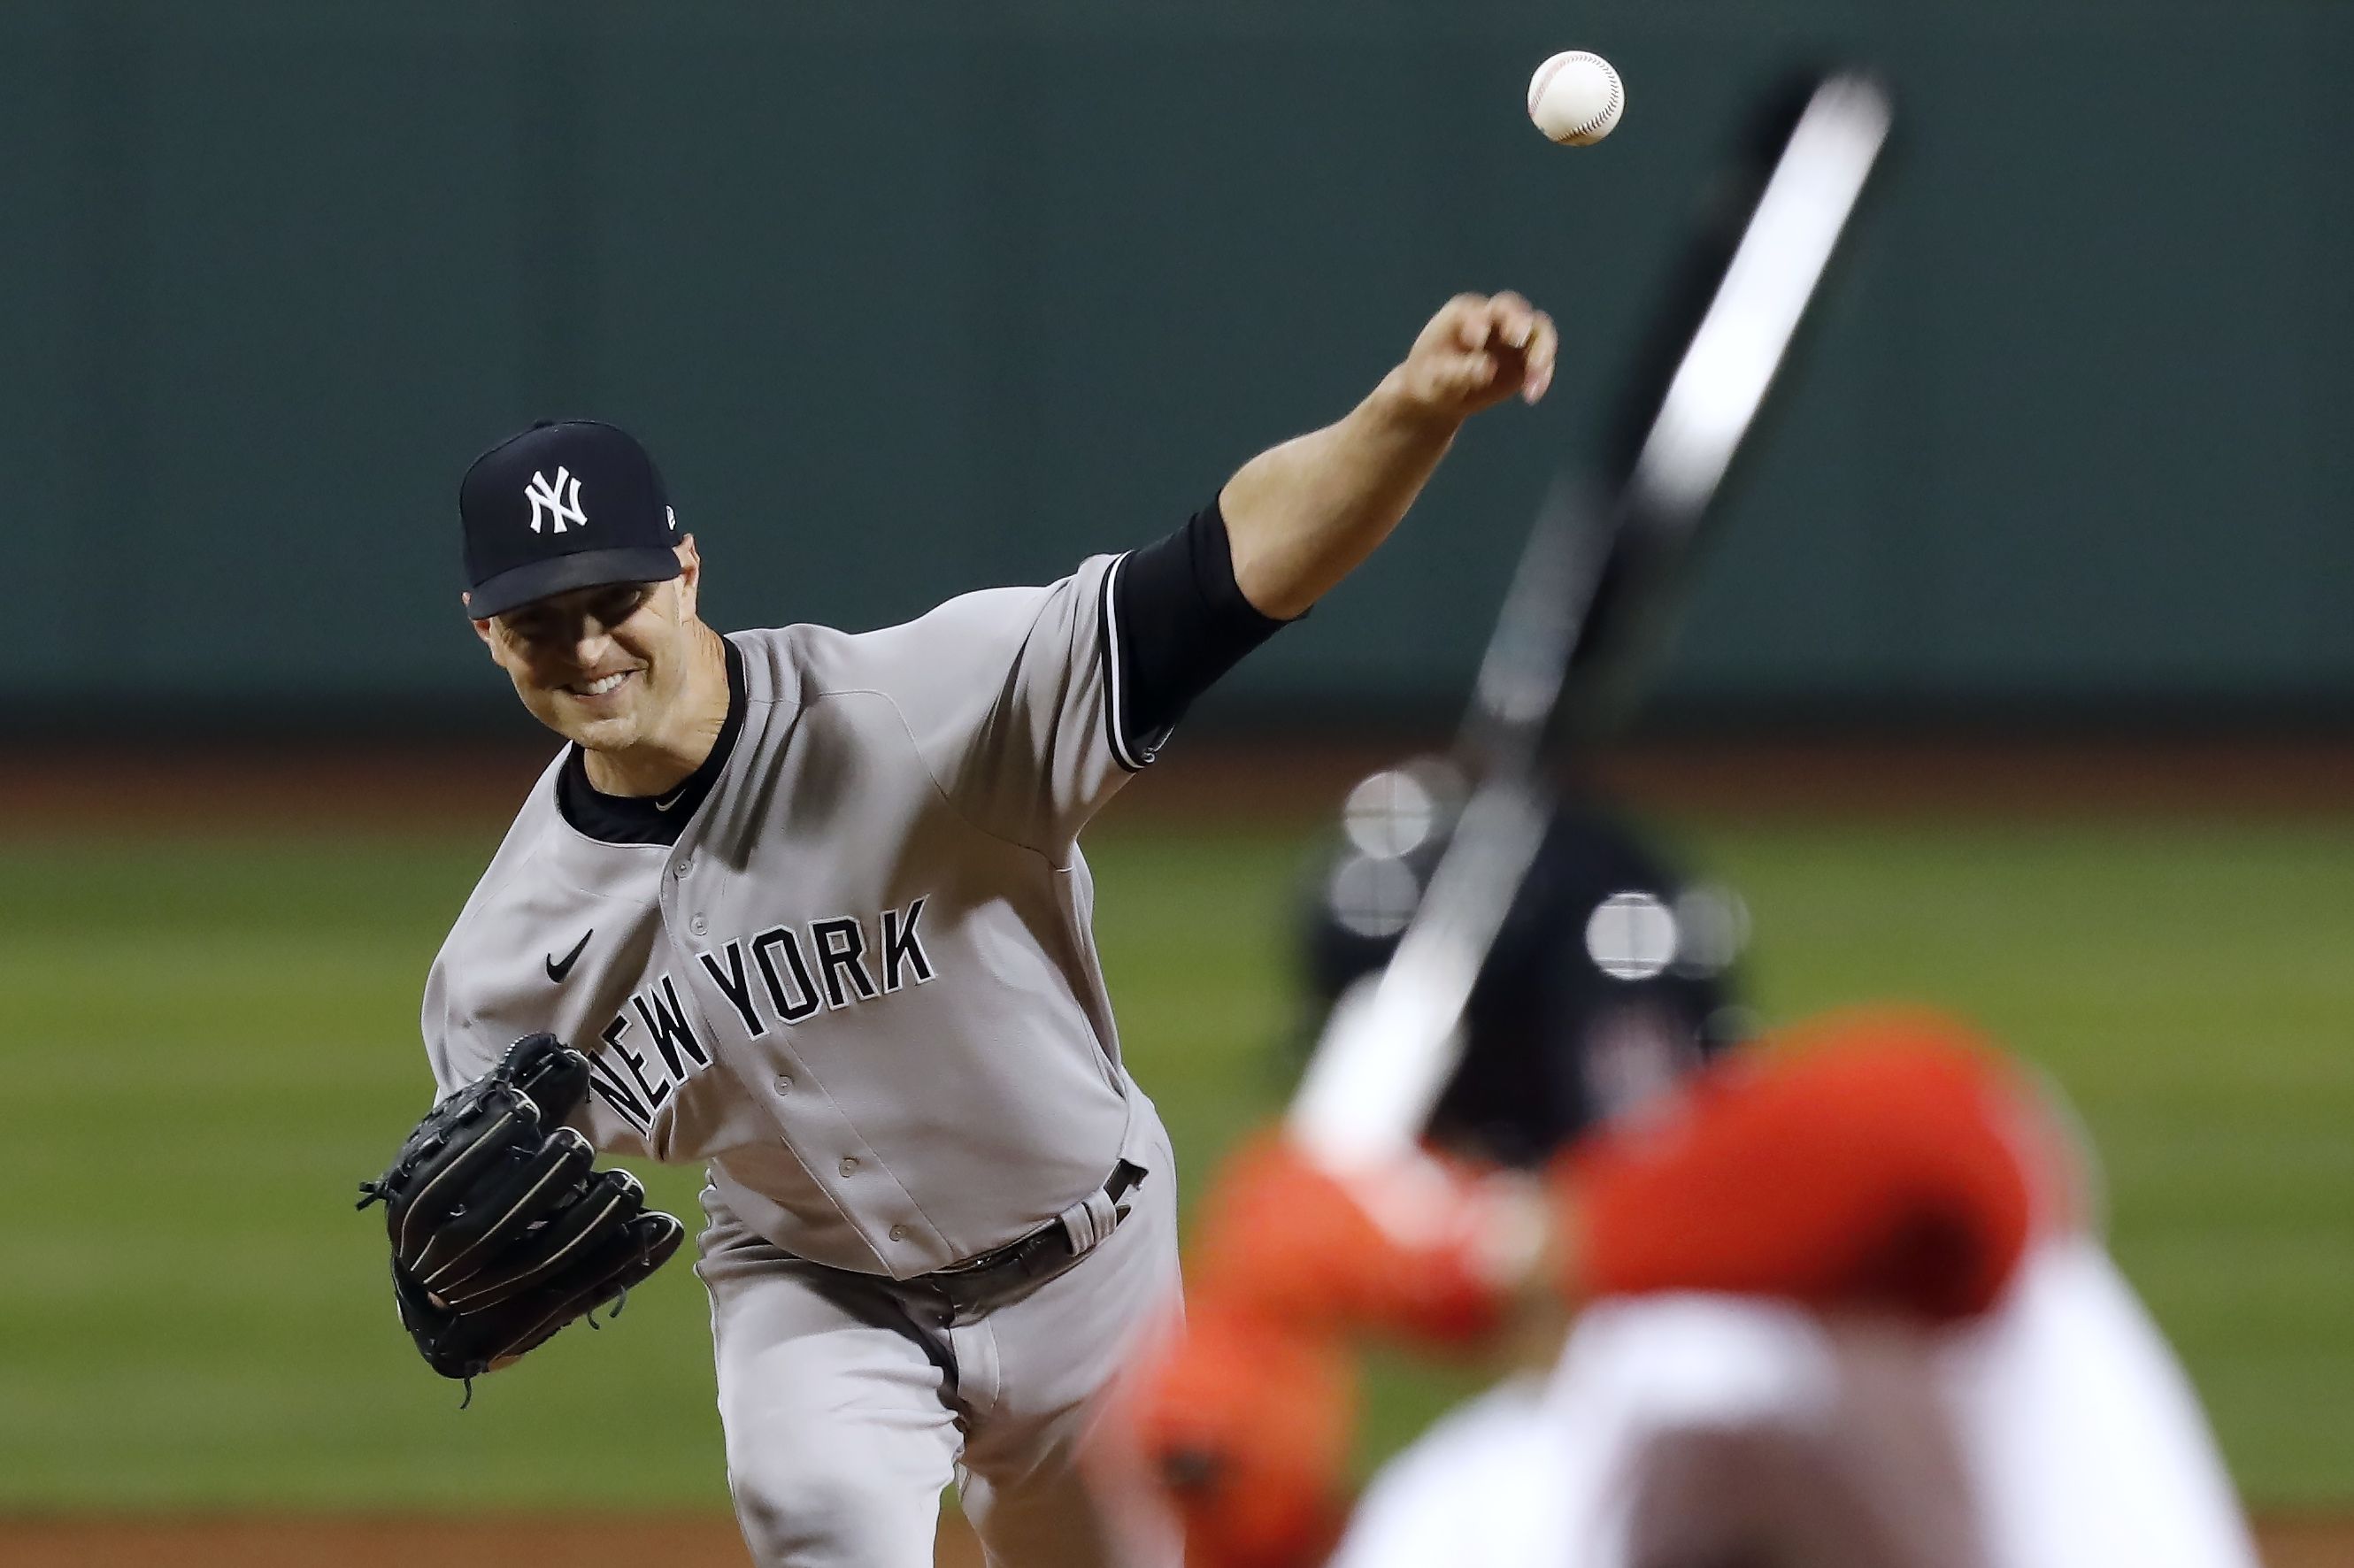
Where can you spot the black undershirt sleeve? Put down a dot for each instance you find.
(1179, 623)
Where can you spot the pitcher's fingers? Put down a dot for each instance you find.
(1514, 317)
(1543, 351)
(1466, 376)
(1475, 324)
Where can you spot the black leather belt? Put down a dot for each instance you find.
(1044, 1253)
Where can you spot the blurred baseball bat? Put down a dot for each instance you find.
(1591, 602)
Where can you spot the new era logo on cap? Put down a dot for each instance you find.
(526, 504)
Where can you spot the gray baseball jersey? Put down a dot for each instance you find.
(861, 984)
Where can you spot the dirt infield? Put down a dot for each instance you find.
(698, 1540)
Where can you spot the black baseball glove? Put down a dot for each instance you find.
(501, 1232)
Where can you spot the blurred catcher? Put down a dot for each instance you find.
(1833, 1298)
(1836, 1301)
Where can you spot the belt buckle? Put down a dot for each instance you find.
(974, 1282)
(977, 1275)
(972, 1267)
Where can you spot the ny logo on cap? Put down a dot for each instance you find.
(558, 502)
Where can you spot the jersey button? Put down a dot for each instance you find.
(683, 867)
(847, 1167)
(784, 1084)
(698, 924)
(898, 1233)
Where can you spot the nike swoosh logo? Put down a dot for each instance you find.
(557, 968)
(666, 805)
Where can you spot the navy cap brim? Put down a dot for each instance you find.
(588, 568)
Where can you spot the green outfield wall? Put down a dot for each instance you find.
(912, 297)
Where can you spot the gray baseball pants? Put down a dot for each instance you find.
(849, 1401)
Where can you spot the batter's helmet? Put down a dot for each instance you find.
(1610, 978)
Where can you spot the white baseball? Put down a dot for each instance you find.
(1575, 98)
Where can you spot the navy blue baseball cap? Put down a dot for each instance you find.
(565, 504)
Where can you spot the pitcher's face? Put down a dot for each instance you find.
(601, 666)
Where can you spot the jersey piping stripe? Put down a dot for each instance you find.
(1115, 713)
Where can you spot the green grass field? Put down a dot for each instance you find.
(208, 1043)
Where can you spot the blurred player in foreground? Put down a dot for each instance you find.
(1836, 1300)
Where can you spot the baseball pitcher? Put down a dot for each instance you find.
(809, 908)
